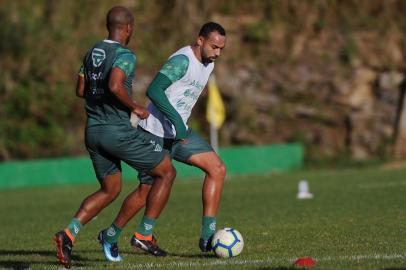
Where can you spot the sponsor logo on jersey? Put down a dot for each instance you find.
(191, 94)
(98, 56)
(95, 76)
(76, 229)
(181, 103)
(197, 84)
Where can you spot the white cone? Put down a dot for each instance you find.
(304, 190)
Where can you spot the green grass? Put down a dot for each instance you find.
(357, 220)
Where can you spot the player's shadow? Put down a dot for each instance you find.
(22, 265)
(26, 264)
(27, 252)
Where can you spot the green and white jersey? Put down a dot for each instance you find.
(189, 77)
(102, 107)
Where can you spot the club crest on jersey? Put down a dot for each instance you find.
(98, 56)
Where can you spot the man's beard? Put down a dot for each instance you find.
(206, 60)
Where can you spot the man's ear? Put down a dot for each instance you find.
(200, 41)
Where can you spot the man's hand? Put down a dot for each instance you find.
(116, 85)
(184, 141)
(141, 112)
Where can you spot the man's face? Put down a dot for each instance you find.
(130, 28)
(211, 46)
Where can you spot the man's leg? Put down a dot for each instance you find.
(133, 203)
(93, 204)
(130, 207)
(164, 175)
(90, 207)
(215, 171)
(197, 152)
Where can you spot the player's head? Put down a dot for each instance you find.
(211, 40)
(119, 19)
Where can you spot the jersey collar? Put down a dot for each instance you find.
(110, 41)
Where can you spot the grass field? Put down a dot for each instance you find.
(357, 220)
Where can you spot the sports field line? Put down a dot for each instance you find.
(282, 260)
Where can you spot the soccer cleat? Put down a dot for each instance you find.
(63, 248)
(205, 245)
(110, 250)
(148, 246)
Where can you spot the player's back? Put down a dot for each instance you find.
(102, 107)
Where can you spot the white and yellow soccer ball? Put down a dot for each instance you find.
(227, 243)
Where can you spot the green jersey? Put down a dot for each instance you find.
(102, 107)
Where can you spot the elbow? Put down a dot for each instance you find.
(149, 94)
(79, 93)
(114, 87)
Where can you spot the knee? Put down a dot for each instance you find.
(218, 171)
(170, 174)
(112, 192)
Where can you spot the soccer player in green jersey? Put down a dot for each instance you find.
(104, 81)
(173, 92)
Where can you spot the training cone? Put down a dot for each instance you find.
(304, 192)
(305, 262)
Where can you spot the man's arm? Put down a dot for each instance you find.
(80, 83)
(172, 71)
(116, 86)
(156, 92)
(80, 86)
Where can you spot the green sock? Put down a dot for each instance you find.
(146, 226)
(208, 227)
(112, 233)
(74, 227)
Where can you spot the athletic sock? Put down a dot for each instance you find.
(208, 227)
(73, 229)
(112, 233)
(145, 228)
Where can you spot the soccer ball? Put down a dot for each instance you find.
(227, 243)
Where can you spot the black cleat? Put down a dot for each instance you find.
(205, 245)
(63, 248)
(148, 246)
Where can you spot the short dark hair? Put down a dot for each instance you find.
(118, 16)
(209, 27)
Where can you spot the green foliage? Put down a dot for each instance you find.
(44, 41)
(348, 51)
(257, 32)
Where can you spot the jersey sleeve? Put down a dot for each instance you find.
(156, 92)
(175, 68)
(125, 62)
